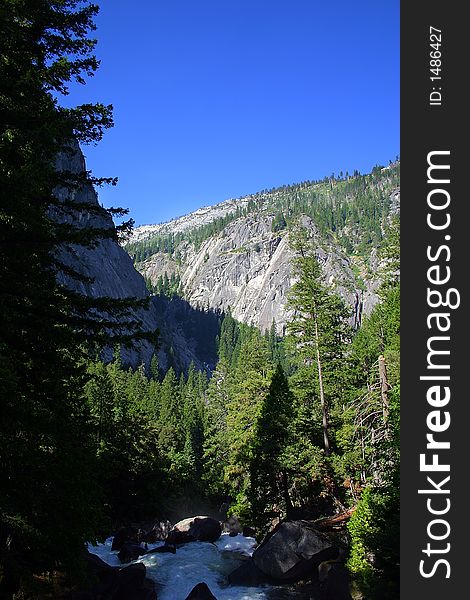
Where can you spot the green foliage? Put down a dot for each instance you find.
(83, 443)
(375, 543)
(148, 437)
(215, 446)
(249, 387)
(279, 222)
(389, 250)
(318, 334)
(268, 492)
(51, 500)
(123, 408)
(166, 286)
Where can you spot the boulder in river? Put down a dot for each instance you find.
(293, 551)
(125, 534)
(201, 591)
(157, 533)
(200, 529)
(247, 575)
(115, 583)
(130, 551)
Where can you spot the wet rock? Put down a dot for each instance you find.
(201, 592)
(115, 583)
(202, 529)
(130, 551)
(293, 551)
(123, 535)
(248, 574)
(157, 533)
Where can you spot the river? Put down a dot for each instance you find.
(176, 575)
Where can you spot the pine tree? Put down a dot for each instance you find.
(170, 411)
(193, 422)
(228, 337)
(248, 390)
(317, 329)
(50, 503)
(269, 483)
(215, 449)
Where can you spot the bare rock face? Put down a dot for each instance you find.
(110, 268)
(248, 268)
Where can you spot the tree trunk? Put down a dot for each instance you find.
(384, 387)
(326, 440)
(287, 500)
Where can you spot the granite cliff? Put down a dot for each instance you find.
(237, 255)
(109, 268)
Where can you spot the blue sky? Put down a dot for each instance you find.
(216, 99)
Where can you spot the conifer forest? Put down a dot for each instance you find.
(299, 425)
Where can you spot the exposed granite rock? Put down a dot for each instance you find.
(248, 268)
(107, 264)
(201, 591)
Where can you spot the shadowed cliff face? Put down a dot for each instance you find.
(107, 264)
(186, 334)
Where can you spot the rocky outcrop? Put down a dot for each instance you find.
(108, 268)
(187, 334)
(158, 532)
(198, 218)
(293, 551)
(201, 529)
(248, 268)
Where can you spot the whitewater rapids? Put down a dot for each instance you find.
(175, 575)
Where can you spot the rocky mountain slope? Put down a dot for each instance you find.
(236, 254)
(233, 255)
(109, 267)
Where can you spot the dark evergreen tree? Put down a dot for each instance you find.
(269, 478)
(248, 390)
(50, 502)
(215, 430)
(318, 332)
